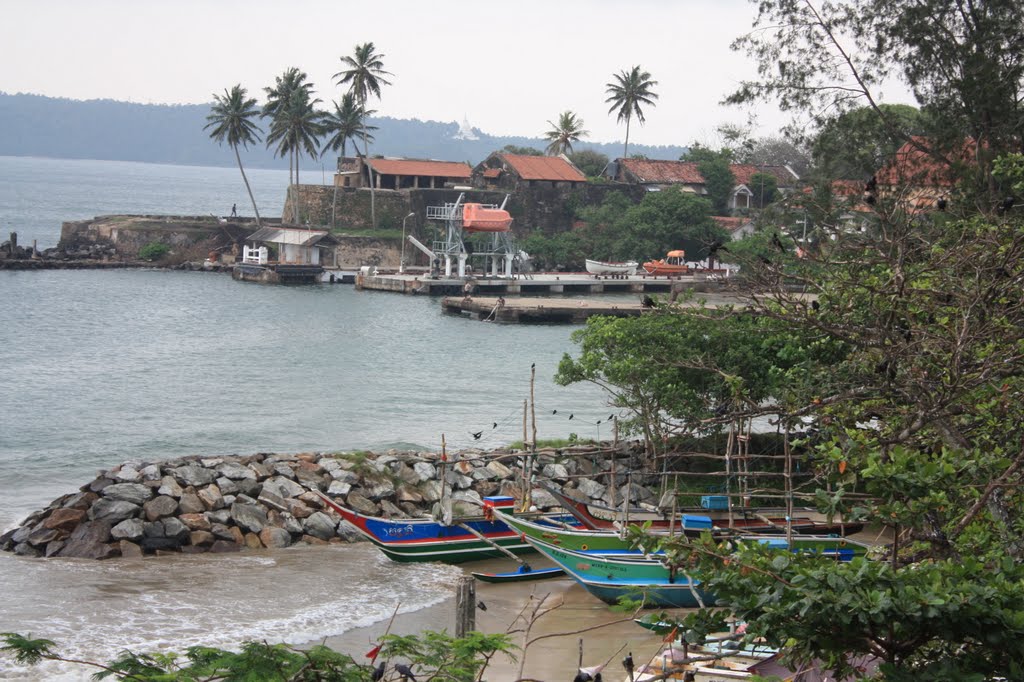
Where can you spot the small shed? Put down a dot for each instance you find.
(286, 255)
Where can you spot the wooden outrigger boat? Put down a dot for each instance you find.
(610, 543)
(424, 539)
(600, 267)
(674, 263)
(643, 579)
(743, 519)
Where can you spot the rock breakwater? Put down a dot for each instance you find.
(226, 504)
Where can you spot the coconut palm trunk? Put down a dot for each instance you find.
(238, 157)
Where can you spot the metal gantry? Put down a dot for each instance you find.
(502, 250)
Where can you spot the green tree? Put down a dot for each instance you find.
(365, 76)
(856, 144)
(279, 100)
(627, 93)
(521, 151)
(346, 122)
(775, 151)
(962, 62)
(569, 129)
(765, 186)
(591, 163)
(231, 119)
(716, 169)
(296, 129)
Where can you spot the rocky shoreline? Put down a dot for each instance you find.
(226, 504)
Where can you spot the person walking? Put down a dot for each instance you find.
(234, 210)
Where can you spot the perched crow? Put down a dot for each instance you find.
(871, 184)
(627, 663)
(776, 242)
(941, 203)
(815, 305)
(647, 301)
(405, 671)
(378, 672)
(869, 199)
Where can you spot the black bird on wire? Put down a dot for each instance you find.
(405, 671)
(627, 663)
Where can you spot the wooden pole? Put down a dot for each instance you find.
(527, 500)
(465, 606)
(525, 497)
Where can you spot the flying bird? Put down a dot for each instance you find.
(481, 605)
(554, 411)
(495, 425)
(476, 436)
(570, 416)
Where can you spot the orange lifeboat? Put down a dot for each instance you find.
(674, 263)
(476, 218)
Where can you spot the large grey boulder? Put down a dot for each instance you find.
(113, 511)
(191, 504)
(194, 475)
(542, 499)
(211, 497)
(425, 470)
(591, 488)
(319, 525)
(379, 488)
(498, 470)
(136, 493)
(235, 471)
(275, 537)
(89, 541)
(169, 486)
(160, 507)
(556, 472)
(129, 529)
(283, 487)
(250, 517)
(360, 504)
(339, 488)
(175, 529)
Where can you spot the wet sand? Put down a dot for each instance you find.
(552, 659)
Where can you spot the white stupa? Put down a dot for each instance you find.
(466, 131)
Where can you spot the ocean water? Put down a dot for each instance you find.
(99, 367)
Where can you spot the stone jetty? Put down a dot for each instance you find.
(226, 504)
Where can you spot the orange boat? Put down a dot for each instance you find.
(674, 263)
(480, 218)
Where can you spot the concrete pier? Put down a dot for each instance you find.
(520, 309)
(536, 284)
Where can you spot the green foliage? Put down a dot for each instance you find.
(521, 151)
(714, 167)
(433, 655)
(628, 93)
(765, 187)
(591, 163)
(569, 129)
(154, 251)
(859, 142)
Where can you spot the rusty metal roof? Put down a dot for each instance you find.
(437, 169)
(552, 168)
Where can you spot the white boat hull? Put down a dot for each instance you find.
(597, 267)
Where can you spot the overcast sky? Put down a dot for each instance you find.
(508, 67)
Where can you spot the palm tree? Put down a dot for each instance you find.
(364, 76)
(296, 129)
(231, 119)
(347, 122)
(626, 93)
(569, 129)
(278, 97)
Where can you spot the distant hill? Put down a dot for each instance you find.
(34, 125)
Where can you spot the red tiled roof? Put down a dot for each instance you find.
(686, 173)
(543, 168)
(439, 169)
(668, 172)
(744, 172)
(730, 224)
(912, 165)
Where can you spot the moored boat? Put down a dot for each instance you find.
(642, 579)
(674, 263)
(598, 267)
(425, 539)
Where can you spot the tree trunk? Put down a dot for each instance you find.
(625, 151)
(369, 171)
(255, 210)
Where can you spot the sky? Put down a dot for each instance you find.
(506, 67)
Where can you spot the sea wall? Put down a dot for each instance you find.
(226, 504)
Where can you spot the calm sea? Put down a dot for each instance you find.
(101, 367)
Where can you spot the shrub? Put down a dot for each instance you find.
(154, 251)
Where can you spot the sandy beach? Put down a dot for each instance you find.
(552, 659)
